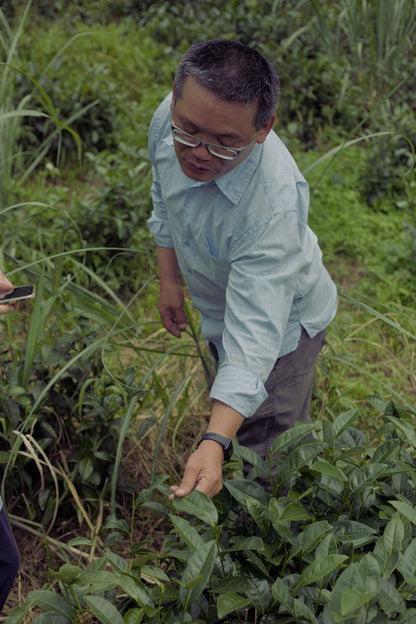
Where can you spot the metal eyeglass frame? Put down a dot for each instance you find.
(185, 139)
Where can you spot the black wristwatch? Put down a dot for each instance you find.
(226, 443)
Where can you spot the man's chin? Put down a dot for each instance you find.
(200, 174)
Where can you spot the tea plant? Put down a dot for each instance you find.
(333, 540)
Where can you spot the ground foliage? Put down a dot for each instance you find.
(96, 401)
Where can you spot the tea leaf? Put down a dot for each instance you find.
(199, 505)
(320, 568)
(330, 470)
(407, 510)
(49, 601)
(355, 598)
(229, 602)
(187, 532)
(199, 567)
(104, 611)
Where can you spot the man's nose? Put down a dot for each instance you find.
(202, 153)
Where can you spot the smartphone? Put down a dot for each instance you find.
(20, 293)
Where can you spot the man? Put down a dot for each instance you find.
(230, 216)
(9, 556)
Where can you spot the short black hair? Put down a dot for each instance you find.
(234, 72)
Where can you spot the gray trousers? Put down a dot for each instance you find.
(289, 386)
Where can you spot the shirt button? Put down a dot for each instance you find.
(186, 243)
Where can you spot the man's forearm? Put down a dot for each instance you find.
(168, 266)
(224, 420)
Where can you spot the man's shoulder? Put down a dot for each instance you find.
(162, 113)
(160, 124)
(277, 165)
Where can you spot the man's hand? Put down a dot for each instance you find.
(171, 297)
(203, 471)
(171, 310)
(6, 287)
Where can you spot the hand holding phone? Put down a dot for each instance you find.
(20, 293)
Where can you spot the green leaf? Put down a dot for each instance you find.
(292, 435)
(297, 608)
(240, 544)
(240, 488)
(67, 573)
(232, 585)
(228, 603)
(390, 599)
(134, 616)
(385, 451)
(355, 598)
(301, 456)
(199, 567)
(85, 468)
(330, 470)
(48, 618)
(362, 576)
(154, 572)
(352, 531)
(259, 513)
(294, 512)
(367, 475)
(320, 568)
(104, 610)
(343, 421)
(407, 561)
(49, 601)
(407, 429)
(405, 509)
(187, 532)
(306, 541)
(281, 594)
(389, 545)
(260, 591)
(135, 589)
(94, 581)
(199, 505)
(17, 614)
(119, 524)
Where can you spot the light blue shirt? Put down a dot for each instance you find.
(251, 263)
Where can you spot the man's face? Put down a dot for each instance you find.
(202, 114)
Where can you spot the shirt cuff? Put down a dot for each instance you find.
(238, 388)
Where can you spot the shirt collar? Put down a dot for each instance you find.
(234, 183)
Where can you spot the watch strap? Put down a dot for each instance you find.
(226, 443)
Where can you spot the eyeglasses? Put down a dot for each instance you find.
(228, 153)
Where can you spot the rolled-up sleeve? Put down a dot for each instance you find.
(158, 222)
(260, 295)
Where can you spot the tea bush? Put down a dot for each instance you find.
(333, 540)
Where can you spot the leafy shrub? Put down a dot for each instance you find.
(113, 217)
(334, 541)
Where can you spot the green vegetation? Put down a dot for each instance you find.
(99, 406)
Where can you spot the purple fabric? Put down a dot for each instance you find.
(9, 558)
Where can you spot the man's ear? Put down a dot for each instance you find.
(264, 131)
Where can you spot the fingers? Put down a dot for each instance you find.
(171, 324)
(174, 321)
(5, 308)
(5, 283)
(203, 472)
